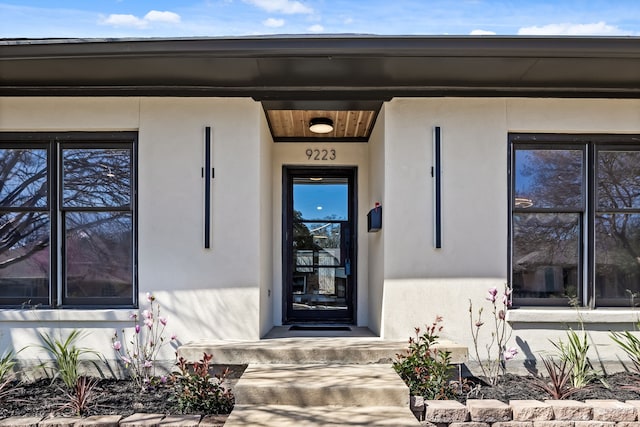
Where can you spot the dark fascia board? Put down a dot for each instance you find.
(337, 45)
(297, 68)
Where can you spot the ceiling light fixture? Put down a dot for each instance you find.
(321, 125)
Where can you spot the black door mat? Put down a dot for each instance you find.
(319, 328)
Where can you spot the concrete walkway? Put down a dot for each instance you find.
(316, 378)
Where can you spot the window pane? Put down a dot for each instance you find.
(618, 180)
(24, 255)
(546, 255)
(99, 255)
(548, 179)
(325, 198)
(23, 178)
(96, 177)
(618, 257)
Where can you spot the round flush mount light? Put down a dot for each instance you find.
(321, 125)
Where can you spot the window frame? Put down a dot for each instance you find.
(55, 143)
(591, 145)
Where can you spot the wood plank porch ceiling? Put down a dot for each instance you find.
(294, 124)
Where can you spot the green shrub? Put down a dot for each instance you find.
(66, 357)
(630, 344)
(574, 353)
(197, 391)
(425, 369)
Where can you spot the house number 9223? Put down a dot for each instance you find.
(320, 154)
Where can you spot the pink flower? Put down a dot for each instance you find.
(505, 297)
(163, 320)
(126, 360)
(133, 315)
(149, 323)
(491, 296)
(163, 379)
(510, 353)
(147, 314)
(137, 329)
(117, 345)
(148, 364)
(150, 297)
(174, 337)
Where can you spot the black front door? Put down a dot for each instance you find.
(319, 244)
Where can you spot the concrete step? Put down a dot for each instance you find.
(317, 416)
(309, 350)
(321, 385)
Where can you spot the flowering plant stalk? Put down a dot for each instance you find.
(139, 354)
(494, 364)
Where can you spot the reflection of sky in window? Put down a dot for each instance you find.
(523, 181)
(321, 201)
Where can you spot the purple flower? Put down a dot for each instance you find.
(137, 329)
(491, 296)
(510, 353)
(163, 320)
(117, 345)
(163, 379)
(174, 337)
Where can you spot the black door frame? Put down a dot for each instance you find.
(288, 174)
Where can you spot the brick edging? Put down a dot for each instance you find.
(528, 413)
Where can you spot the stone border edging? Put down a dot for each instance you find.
(135, 420)
(527, 413)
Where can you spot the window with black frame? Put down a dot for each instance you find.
(575, 219)
(67, 220)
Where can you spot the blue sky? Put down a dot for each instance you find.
(206, 18)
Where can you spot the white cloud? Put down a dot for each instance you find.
(166, 17)
(120, 20)
(569, 29)
(288, 7)
(132, 21)
(482, 33)
(317, 28)
(273, 22)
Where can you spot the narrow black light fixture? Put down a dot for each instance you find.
(436, 173)
(207, 187)
(321, 125)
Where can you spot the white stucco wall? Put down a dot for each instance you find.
(422, 282)
(377, 169)
(266, 231)
(234, 289)
(205, 293)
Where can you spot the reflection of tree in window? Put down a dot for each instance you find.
(617, 225)
(24, 223)
(95, 184)
(551, 221)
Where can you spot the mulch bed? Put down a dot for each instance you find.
(110, 397)
(620, 386)
(120, 397)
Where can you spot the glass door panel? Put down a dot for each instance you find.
(320, 251)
